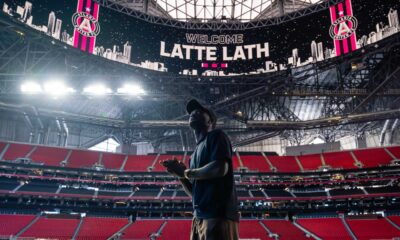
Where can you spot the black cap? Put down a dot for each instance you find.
(194, 104)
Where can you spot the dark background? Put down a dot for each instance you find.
(117, 29)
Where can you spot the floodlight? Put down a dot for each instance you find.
(57, 88)
(97, 89)
(131, 89)
(31, 88)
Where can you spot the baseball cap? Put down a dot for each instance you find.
(194, 104)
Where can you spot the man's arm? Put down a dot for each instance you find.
(213, 169)
(187, 186)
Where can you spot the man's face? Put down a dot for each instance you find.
(199, 119)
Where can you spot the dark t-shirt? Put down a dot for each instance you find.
(214, 198)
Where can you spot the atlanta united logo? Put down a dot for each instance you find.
(86, 24)
(343, 27)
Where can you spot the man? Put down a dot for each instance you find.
(209, 180)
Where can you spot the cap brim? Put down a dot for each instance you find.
(193, 105)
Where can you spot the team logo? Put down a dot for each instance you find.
(86, 24)
(343, 27)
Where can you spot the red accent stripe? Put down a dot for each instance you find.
(344, 41)
(333, 19)
(353, 38)
(96, 16)
(84, 38)
(76, 33)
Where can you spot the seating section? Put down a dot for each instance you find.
(179, 229)
(142, 229)
(50, 156)
(176, 230)
(252, 229)
(113, 161)
(100, 228)
(52, 228)
(373, 157)
(310, 162)
(10, 225)
(342, 160)
(284, 163)
(255, 163)
(16, 150)
(83, 159)
(139, 163)
(285, 229)
(372, 229)
(53, 156)
(326, 228)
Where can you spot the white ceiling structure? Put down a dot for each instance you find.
(243, 10)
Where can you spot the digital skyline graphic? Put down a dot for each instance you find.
(142, 50)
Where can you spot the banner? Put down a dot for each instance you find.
(100, 31)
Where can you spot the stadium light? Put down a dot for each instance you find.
(97, 89)
(31, 88)
(131, 89)
(57, 88)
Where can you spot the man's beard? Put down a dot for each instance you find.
(197, 125)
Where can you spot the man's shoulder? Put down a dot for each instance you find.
(217, 133)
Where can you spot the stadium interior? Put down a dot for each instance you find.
(316, 146)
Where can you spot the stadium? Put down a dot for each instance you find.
(94, 96)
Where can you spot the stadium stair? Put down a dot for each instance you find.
(123, 164)
(270, 233)
(158, 233)
(118, 234)
(306, 231)
(353, 236)
(77, 229)
(299, 163)
(152, 166)
(27, 226)
(392, 223)
(271, 167)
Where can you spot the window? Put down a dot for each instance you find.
(109, 145)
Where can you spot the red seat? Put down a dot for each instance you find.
(10, 224)
(100, 228)
(339, 160)
(83, 159)
(142, 229)
(326, 228)
(255, 163)
(372, 229)
(52, 228)
(284, 163)
(176, 230)
(139, 163)
(252, 229)
(16, 150)
(50, 156)
(310, 162)
(373, 157)
(113, 161)
(285, 229)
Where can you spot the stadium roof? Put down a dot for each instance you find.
(219, 10)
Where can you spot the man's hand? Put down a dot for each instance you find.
(174, 167)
